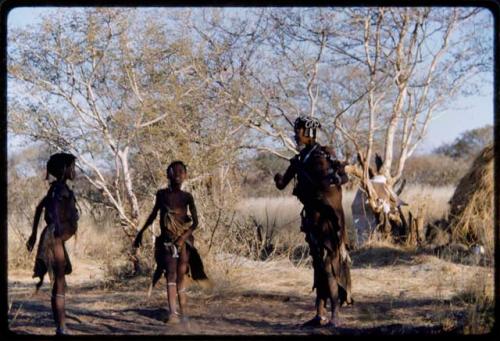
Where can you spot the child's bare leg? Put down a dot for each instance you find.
(171, 276)
(182, 269)
(58, 290)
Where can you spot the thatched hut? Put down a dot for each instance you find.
(471, 206)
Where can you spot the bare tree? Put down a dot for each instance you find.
(127, 93)
(61, 95)
(416, 60)
(127, 96)
(374, 76)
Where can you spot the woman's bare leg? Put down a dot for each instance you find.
(321, 299)
(58, 290)
(333, 291)
(182, 268)
(322, 292)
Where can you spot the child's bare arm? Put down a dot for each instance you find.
(194, 217)
(149, 221)
(151, 218)
(194, 214)
(38, 212)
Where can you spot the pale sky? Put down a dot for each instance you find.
(472, 112)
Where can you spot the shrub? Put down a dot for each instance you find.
(434, 170)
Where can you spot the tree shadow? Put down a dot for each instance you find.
(394, 329)
(158, 314)
(21, 285)
(270, 296)
(261, 324)
(380, 256)
(382, 314)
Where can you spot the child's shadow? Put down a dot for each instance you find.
(159, 314)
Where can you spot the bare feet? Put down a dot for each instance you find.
(60, 331)
(174, 318)
(334, 322)
(316, 321)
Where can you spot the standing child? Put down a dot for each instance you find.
(61, 217)
(174, 249)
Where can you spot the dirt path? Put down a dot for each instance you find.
(409, 294)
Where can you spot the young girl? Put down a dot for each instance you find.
(61, 217)
(174, 250)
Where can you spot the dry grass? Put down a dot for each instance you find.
(396, 268)
(412, 288)
(281, 214)
(480, 301)
(433, 201)
(279, 218)
(380, 253)
(281, 211)
(385, 276)
(100, 241)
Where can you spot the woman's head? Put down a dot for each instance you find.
(61, 166)
(305, 130)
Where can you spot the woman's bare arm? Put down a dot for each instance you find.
(282, 181)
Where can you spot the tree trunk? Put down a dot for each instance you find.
(416, 235)
(127, 179)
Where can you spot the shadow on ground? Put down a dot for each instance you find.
(380, 256)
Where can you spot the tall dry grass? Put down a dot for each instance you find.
(282, 214)
(480, 301)
(18, 257)
(233, 264)
(433, 201)
(278, 217)
(98, 241)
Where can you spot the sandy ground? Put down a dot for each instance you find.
(395, 292)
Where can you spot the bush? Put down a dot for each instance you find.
(434, 170)
(258, 179)
(468, 144)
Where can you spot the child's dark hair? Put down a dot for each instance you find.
(171, 166)
(58, 162)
